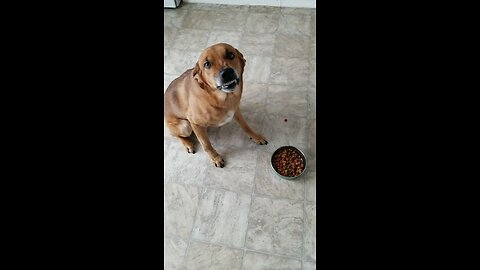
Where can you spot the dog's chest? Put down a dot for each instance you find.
(228, 118)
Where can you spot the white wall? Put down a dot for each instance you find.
(275, 3)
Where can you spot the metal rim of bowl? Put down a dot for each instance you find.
(302, 155)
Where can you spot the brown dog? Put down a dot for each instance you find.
(207, 96)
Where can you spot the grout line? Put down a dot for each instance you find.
(274, 254)
(252, 197)
(240, 192)
(193, 227)
(201, 192)
(290, 257)
(170, 235)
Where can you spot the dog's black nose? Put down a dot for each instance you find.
(227, 74)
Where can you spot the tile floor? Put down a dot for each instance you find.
(241, 216)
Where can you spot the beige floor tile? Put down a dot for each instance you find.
(199, 19)
(295, 24)
(314, 24)
(191, 39)
(259, 261)
(228, 37)
(311, 186)
(254, 97)
(268, 184)
(257, 69)
(293, 132)
(275, 226)
(290, 71)
(255, 44)
(312, 102)
(313, 48)
(179, 207)
(310, 245)
(233, 21)
(183, 167)
(293, 46)
(312, 90)
(222, 218)
(202, 256)
(262, 23)
(178, 61)
(173, 252)
(166, 53)
(174, 17)
(239, 170)
(313, 73)
(309, 266)
(169, 33)
(287, 100)
(312, 143)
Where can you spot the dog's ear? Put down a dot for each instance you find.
(241, 58)
(197, 75)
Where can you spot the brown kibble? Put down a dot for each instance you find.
(288, 162)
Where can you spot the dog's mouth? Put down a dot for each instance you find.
(229, 86)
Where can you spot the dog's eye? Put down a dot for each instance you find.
(230, 55)
(207, 64)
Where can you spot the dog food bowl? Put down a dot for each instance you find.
(288, 162)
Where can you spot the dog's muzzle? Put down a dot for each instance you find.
(228, 80)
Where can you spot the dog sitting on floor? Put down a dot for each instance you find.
(208, 95)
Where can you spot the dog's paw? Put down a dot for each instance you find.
(218, 161)
(190, 149)
(259, 139)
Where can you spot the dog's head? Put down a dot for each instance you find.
(220, 67)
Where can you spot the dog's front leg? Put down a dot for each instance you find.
(201, 133)
(257, 138)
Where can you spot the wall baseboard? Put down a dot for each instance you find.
(274, 3)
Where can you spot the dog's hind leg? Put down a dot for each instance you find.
(182, 129)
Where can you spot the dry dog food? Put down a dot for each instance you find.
(288, 162)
